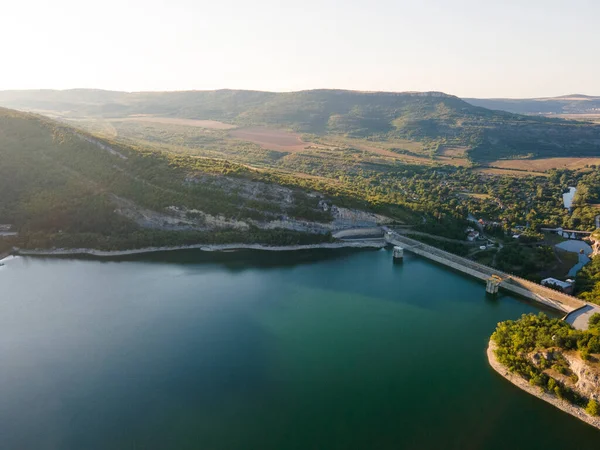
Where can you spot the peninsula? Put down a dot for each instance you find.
(549, 359)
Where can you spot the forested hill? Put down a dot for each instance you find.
(308, 111)
(436, 118)
(63, 187)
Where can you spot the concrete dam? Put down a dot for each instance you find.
(577, 311)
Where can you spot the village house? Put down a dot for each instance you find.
(472, 235)
(563, 286)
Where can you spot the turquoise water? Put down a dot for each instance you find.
(300, 350)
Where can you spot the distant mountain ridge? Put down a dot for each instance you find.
(565, 104)
(439, 119)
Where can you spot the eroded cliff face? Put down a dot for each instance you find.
(177, 218)
(588, 375)
(570, 369)
(594, 240)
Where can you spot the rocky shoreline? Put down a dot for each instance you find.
(202, 247)
(523, 384)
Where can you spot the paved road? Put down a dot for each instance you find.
(438, 238)
(579, 319)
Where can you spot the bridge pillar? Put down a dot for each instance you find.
(398, 254)
(491, 286)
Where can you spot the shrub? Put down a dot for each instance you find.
(585, 354)
(593, 408)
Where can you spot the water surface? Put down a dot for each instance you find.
(251, 350)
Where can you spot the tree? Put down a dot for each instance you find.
(594, 320)
(593, 408)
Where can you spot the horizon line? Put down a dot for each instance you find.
(361, 91)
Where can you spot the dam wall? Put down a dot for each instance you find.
(528, 289)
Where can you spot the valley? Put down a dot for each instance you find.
(241, 167)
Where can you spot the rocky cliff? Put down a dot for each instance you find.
(588, 375)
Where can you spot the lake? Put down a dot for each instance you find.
(332, 349)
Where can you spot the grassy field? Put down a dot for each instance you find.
(542, 165)
(211, 124)
(508, 172)
(475, 195)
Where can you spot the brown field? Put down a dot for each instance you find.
(212, 124)
(542, 165)
(272, 139)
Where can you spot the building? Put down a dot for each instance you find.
(472, 235)
(563, 286)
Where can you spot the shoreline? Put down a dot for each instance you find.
(576, 411)
(201, 247)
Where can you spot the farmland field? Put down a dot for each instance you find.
(213, 124)
(454, 152)
(508, 172)
(581, 117)
(541, 165)
(272, 139)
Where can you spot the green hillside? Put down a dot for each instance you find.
(63, 187)
(437, 119)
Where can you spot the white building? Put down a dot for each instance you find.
(472, 235)
(564, 286)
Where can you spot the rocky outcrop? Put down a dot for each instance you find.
(179, 218)
(588, 375)
(594, 239)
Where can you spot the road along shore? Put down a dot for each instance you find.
(202, 247)
(520, 382)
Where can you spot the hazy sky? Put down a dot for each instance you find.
(484, 48)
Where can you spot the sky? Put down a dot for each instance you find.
(469, 48)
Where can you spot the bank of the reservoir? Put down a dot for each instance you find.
(574, 410)
(202, 247)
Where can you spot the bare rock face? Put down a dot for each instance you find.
(595, 243)
(543, 356)
(348, 218)
(588, 383)
(177, 217)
